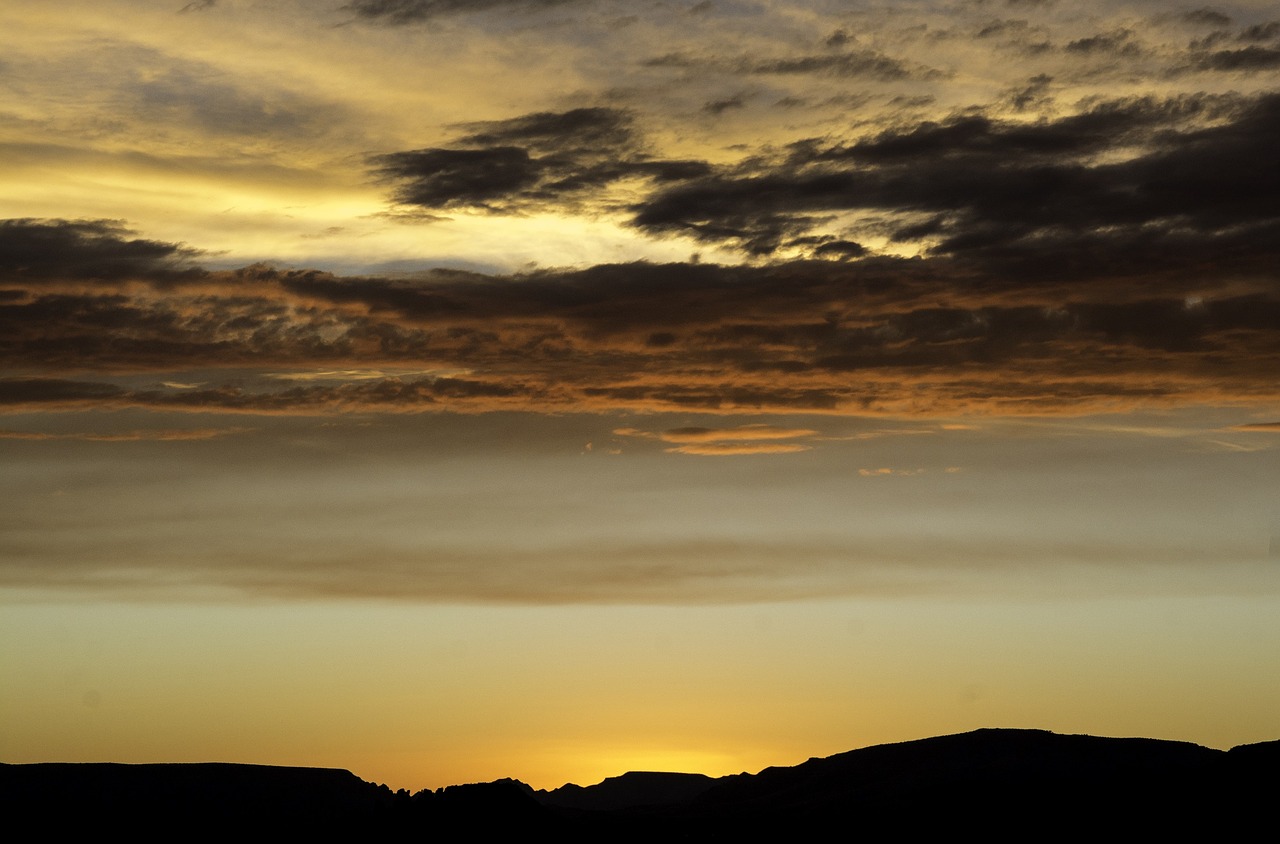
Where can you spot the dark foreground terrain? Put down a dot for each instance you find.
(997, 783)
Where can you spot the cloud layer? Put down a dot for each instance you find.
(1121, 184)
(86, 309)
(542, 160)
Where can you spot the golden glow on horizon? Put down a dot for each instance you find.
(425, 697)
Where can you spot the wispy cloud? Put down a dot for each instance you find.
(168, 435)
(741, 433)
(339, 375)
(738, 440)
(887, 471)
(682, 572)
(733, 449)
(402, 12)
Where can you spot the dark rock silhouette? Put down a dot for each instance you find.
(66, 796)
(1005, 781)
(631, 790)
(1002, 784)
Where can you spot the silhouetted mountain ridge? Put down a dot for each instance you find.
(1002, 783)
(630, 790)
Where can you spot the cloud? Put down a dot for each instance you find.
(1116, 179)
(1037, 198)
(1246, 59)
(265, 561)
(1207, 17)
(1265, 427)
(727, 442)
(167, 435)
(1261, 31)
(1116, 43)
(344, 375)
(208, 114)
(44, 392)
(401, 12)
(738, 449)
(34, 250)
(540, 159)
(190, 97)
(744, 433)
(578, 130)
(726, 104)
(855, 64)
(438, 178)
(1045, 323)
(902, 432)
(867, 64)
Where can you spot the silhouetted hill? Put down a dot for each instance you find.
(1000, 784)
(995, 780)
(188, 796)
(1262, 752)
(632, 789)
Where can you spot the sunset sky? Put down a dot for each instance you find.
(453, 390)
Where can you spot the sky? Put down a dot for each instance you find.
(454, 390)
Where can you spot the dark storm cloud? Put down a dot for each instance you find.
(34, 250)
(400, 12)
(831, 247)
(1139, 174)
(1205, 180)
(537, 159)
(438, 178)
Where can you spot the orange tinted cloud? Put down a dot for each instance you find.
(739, 433)
(877, 336)
(732, 449)
(739, 440)
(168, 435)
